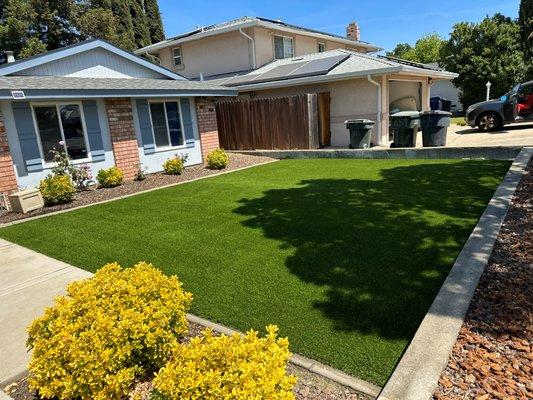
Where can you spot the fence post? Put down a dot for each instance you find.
(312, 115)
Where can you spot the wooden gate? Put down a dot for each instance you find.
(292, 122)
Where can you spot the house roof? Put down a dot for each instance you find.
(53, 55)
(246, 22)
(342, 64)
(48, 87)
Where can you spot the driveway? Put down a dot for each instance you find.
(464, 136)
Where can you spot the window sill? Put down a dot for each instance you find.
(163, 149)
(50, 165)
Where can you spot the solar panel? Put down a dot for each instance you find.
(280, 72)
(318, 67)
(240, 79)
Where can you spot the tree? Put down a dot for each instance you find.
(525, 20)
(140, 23)
(100, 23)
(427, 49)
(487, 51)
(402, 50)
(155, 25)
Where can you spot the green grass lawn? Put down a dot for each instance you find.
(345, 256)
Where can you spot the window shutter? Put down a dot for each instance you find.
(94, 133)
(145, 125)
(29, 144)
(187, 122)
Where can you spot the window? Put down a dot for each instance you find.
(321, 47)
(60, 127)
(166, 123)
(176, 56)
(283, 47)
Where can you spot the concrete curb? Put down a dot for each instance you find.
(359, 385)
(490, 153)
(20, 221)
(417, 373)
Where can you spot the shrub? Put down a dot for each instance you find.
(217, 159)
(56, 189)
(107, 332)
(110, 177)
(140, 175)
(81, 175)
(175, 165)
(228, 367)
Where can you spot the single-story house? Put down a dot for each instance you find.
(360, 86)
(104, 106)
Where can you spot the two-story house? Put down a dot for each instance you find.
(265, 58)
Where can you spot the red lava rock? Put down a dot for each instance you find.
(493, 355)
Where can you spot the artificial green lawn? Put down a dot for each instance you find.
(345, 256)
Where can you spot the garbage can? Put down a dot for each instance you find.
(360, 132)
(434, 125)
(440, 103)
(404, 125)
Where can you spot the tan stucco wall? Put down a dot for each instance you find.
(228, 52)
(400, 89)
(350, 99)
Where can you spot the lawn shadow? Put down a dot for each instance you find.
(380, 248)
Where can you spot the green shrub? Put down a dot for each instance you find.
(217, 159)
(106, 333)
(57, 189)
(110, 177)
(175, 165)
(228, 367)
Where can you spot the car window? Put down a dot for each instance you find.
(526, 90)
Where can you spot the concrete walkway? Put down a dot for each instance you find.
(29, 282)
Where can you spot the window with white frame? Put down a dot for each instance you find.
(321, 47)
(167, 125)
(61, 127)
(176, 56)
(283, 47)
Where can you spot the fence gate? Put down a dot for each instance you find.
(292, 122)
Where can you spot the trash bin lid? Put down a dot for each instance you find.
(412, 114)
(359, 121)
(437, 112)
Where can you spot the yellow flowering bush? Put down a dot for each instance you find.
(217, 159)
(110, 177)
(228, 367)
(175, 165)
(56, 189)
(107, 332)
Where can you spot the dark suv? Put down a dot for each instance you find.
(492, 115)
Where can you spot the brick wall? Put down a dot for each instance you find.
(123, 139)
(8, 180)
(207, 124)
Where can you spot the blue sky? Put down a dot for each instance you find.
(382, 22)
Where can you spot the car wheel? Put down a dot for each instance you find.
(488, 122)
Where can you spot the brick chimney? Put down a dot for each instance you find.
(353, 32)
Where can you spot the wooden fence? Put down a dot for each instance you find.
(293, 122)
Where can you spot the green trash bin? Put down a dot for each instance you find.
(360, 132)
(404, 126)
(435, 125)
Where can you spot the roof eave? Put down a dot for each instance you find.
(429, 73)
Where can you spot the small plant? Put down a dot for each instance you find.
(110, 177)
(106, 333)
(141, 174)
(217, 159)
(81, 175)
(56, 189)
(175, 165)
(228, 367)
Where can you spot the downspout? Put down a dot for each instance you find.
(378, 115)
(251, 39)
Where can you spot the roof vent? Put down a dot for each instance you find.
(353, 32)
(10, 57)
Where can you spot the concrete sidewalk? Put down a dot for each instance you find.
(29, 282)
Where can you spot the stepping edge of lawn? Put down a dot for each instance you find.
(417, 373)
(20, 221)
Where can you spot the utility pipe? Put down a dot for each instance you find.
(251, 39)
(378, 115)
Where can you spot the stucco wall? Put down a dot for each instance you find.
(228, 52)
(400, 89)
(350, 99)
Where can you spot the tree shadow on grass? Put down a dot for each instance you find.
(380, 248)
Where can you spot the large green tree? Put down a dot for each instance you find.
(487, 51)
(426, 50)
(525, 20)
(155, 25)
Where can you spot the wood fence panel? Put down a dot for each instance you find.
(292, 122)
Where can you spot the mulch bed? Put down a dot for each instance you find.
(493, 355)
(152, 181)
(309, 386)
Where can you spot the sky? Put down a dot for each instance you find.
(382, 22)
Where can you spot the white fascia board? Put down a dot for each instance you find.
(80, 48)
(429, 73)
(315, 79)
